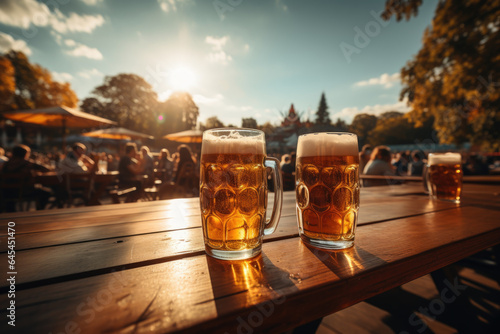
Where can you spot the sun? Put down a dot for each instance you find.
(181, 78)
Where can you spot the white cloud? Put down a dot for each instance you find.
(246, 47)
(75, 22)
(69, 42)
(218, 55)
(87, 74)
(76, 49)
(92, 2)
(7, 42)
(385, 80)
(170, 5)
(201, 99)
(24, 13)
(62, 76)
(348, 114)
(82, 50)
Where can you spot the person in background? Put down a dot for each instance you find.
(285, 158)
(76, 162)
(379, 164)
(130, 167)
(19, 163)
(416, 166)
(186, 161)
(165, 165)
(364, 157)
(148, 165)
(475, 166)
(186, 178)
(401, 163)
(3, 158)
(288, 170)
(113, 162)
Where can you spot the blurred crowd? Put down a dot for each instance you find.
(167, 175)
(172, 175)
(380, 160)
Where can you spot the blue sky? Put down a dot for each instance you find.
(237, 58)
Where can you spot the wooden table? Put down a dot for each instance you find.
(141, 267)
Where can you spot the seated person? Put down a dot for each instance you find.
(19, 163)
(186, 178)
(165, 165)
(416, 167)
(148, 166)
(288, 170)
(379, 164)
(130, 167)
(3, 158)
(76, 162)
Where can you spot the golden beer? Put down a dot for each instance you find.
(327, 190)
(445, 176)
(233, 196)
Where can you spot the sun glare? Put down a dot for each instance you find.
(181, 78)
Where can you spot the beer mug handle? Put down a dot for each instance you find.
(272, 222)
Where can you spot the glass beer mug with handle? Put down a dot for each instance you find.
(327, 189)
(444, 176)
(233, 192)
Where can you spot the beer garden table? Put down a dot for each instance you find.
(141, 267)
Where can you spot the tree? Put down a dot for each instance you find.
(267, 128)
(27, 86)
(212, 123)
(395, 128)
(340, 125)
(452, 78)
(250, 123)
(322, 116)
(179, 112)
(361, 125)
(7, 83)
(127, 99)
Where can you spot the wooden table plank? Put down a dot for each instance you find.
(70, 227)
(46, 234)
(43, 266)
(200, 294)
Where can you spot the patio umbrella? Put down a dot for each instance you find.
(117, 133)
(188, 136)
(63, 117)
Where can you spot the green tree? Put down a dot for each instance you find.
(455, 75)
(212, 123)
(179, 112)
(361, 125)
(395, 128)
(322, 115)
(267, 128)
(127, 99)
(250, 123)
(340, 125)
(33, 87)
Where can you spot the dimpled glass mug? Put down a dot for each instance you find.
(444, 176)
(233, 192)
(327, 190)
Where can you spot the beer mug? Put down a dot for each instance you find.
(327, 189)
(444, 176)
(233, 192)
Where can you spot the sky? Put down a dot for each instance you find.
(237, 58)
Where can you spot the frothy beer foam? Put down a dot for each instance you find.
(444, 158)
(327, 144)
(232, 143)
